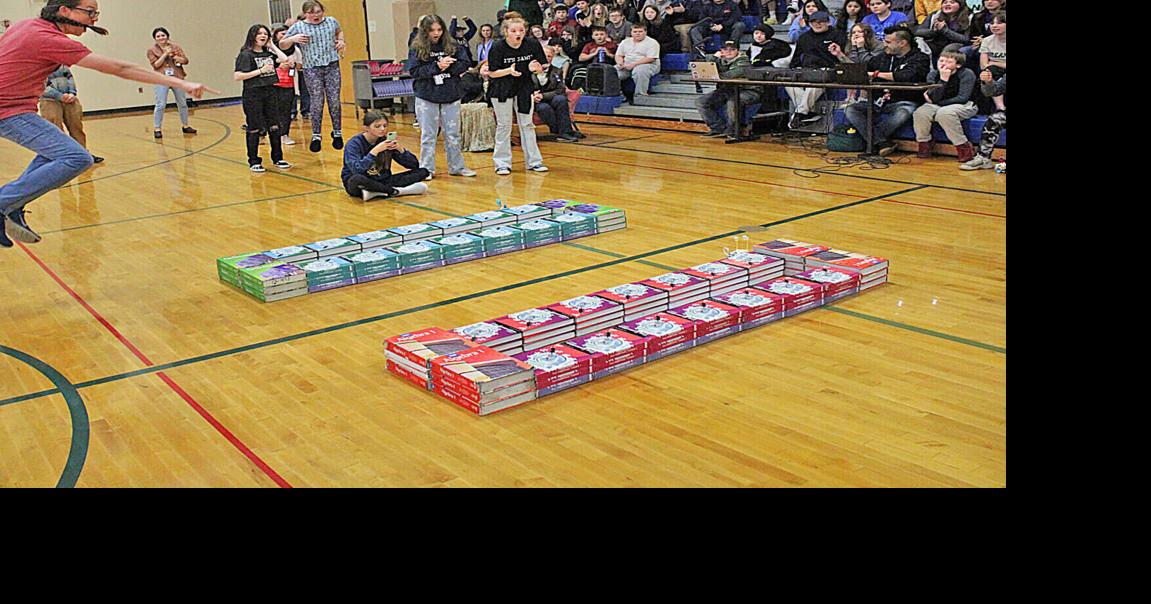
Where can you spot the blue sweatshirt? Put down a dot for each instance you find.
(359, 160)
(433, 84)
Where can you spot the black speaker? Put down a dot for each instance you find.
(602, 80)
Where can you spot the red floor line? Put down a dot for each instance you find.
(227, 434)
(725, 177)
(925, 205)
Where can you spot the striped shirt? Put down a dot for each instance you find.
(321, 50)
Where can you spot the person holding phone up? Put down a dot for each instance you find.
(368, 158)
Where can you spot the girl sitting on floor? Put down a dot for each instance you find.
(368, 161)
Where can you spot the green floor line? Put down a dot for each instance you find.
(919, 330)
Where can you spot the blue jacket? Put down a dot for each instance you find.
(433, 84)
(359, 160)
(726, 14)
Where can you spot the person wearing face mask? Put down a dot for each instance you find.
(29, 51)
(436, 63)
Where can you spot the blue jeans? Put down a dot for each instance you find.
(162, 103)
(898, 113)
(58, 159)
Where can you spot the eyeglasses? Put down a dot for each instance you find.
(92, 13)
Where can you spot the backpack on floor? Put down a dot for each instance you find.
(844, 138)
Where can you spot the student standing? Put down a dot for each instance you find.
(322, 41)
(510, 66)
(256, 68)
(437, 62)
(29, 51)
(287, 72)
(169, 59)
(60, 105)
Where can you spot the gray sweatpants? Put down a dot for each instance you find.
(434, 117)
(502, 156)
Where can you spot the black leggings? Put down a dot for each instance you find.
(358, 183)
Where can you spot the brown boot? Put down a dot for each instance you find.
(924, 151)
(965, 152)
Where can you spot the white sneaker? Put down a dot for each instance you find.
(257, 168)
(370, 195)
(464, 172)
(287, 140)
(977, 163)
(283, 165)
(503, 171)
(418, 188)
(539, 168)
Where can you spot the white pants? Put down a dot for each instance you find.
(642, 74)
(433, 117)
(950, 118)
(502, 156)
(804, 99)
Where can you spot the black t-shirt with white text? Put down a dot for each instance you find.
(503, 56)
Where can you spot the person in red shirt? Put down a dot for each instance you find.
(600, 41)
(29, 51)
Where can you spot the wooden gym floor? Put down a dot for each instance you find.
(126, 363)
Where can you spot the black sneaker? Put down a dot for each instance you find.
(885, 148)
(157, 134)
(17, 227)
(188, 130)
(580, 135)
(96, 159)
(4, 240)
(315, 145)
(337, 142)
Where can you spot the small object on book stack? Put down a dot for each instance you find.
(760, 267)
(722, 277)
(483, 380)
(591, 313)
(613, 350)
(756, 306)
(799, 295)
(638, 299)
(682, 288)
(667, 333)
(540, 326)
(557, 368)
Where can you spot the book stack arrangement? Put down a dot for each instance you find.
(313, 267)
(409, 355)
(802, 257)
(557, 368)
(590, 337)
(482, 380)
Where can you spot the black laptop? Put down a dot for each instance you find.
(852, 73)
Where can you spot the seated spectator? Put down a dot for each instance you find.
(731, 64)
(368, 158)
(993, 54)
(923, 9)
(882, 17)
(537, 33)
(552, 101)
(948, 106)
(995, 123)
(600, 41)
(638, 57)
(851, 14)
(861, 47)
(599, 15)
(981, 28)
(801, 24)
(558, 22)
(660, 29)
(765, 49)
(907, 7)
(901, 62)
(464, 37)
(813, 51)
(716, 17)
(569, 40)
(581, 10)
(674, 10)
(617, 27)
(528, 10)
(560, 60)
(946, 26)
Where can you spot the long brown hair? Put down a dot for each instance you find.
(962, 17)
(51, 12)
(422, 43)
